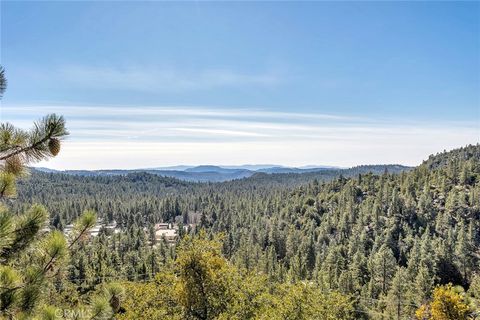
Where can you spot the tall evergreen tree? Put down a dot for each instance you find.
(398, 304)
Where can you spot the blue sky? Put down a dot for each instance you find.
(293, 83)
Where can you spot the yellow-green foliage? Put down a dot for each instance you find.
(206, 285)
(305, 301)
(152, 300)
(202, 284)
(447, 304)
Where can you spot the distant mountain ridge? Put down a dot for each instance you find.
(213, 173)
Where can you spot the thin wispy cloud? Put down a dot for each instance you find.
(171, 135)
(152, 78)
(76, 110)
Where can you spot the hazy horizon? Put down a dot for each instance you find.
(205, 136)
(146, 84)
(182, 167)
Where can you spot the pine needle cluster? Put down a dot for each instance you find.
(31, 255)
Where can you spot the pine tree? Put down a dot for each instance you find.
(423, 284)
(464, 249)
(383, 269)
(397, 300)
(29, 257)
(205, 278)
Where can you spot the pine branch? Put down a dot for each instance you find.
(50, 127)
(24, 231)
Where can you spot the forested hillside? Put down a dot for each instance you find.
(381, 242)
(220, 174)
(239, 160)
(155, 198)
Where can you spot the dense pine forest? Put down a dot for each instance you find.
(370, 242)
(357, 246)
(239, 160)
